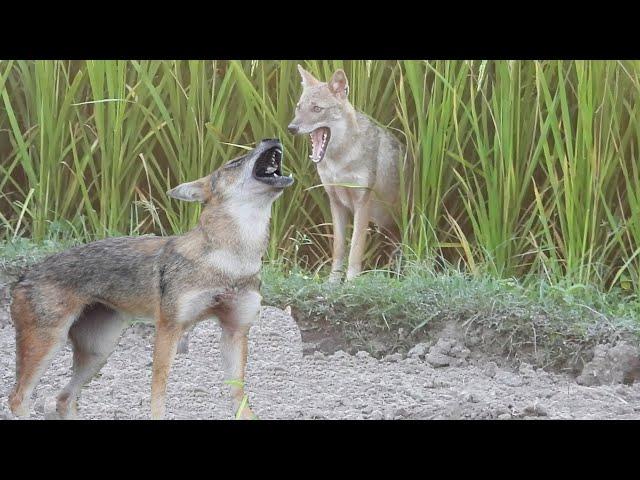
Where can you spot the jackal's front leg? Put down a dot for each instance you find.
(339, 217)
(233, 345)
(361, 218)
(166, 343)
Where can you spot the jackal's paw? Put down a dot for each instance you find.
(157, 414)
(19, 408)
(352, 273)
(158, 410)
(51, 409)
(22, 411)
(66, 410)
(334, 277)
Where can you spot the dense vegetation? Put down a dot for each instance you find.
(522, 169)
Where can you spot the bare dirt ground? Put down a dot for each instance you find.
(441, 382)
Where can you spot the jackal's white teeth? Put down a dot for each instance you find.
(271, 169)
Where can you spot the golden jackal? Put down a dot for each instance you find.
(89, 293)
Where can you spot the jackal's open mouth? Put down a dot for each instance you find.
(319, 142)
(268, 168)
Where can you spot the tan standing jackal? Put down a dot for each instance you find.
(350, 150)
(89, 293)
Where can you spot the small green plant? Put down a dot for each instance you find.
(245, 400)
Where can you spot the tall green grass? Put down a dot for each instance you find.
(520, 168)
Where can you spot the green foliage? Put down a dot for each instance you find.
(521, 168)
(556, 323)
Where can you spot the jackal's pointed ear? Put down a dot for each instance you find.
(339, 85)
(308, 80)
(196, 191)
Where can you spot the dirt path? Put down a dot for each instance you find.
(284, 384)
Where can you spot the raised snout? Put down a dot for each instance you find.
(293, 129)
(267, 144)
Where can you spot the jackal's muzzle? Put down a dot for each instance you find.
(268, 165)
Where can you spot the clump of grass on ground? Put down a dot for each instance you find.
(548, 325)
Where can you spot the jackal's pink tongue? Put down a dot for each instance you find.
(316, 141)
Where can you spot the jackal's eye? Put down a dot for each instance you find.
(234, 163)
(317, 109)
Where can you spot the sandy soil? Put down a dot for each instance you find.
(284, 384)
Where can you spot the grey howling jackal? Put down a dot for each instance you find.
(350, 149)
(89, 293)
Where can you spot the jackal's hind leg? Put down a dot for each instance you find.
(38, 338)
(183, 344)
(35, 348)
(392, 247)
(94, 337)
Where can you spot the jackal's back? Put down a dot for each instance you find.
(119, 271)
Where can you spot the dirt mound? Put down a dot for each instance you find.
(611, 364)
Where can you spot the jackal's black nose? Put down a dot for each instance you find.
(293, 128)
